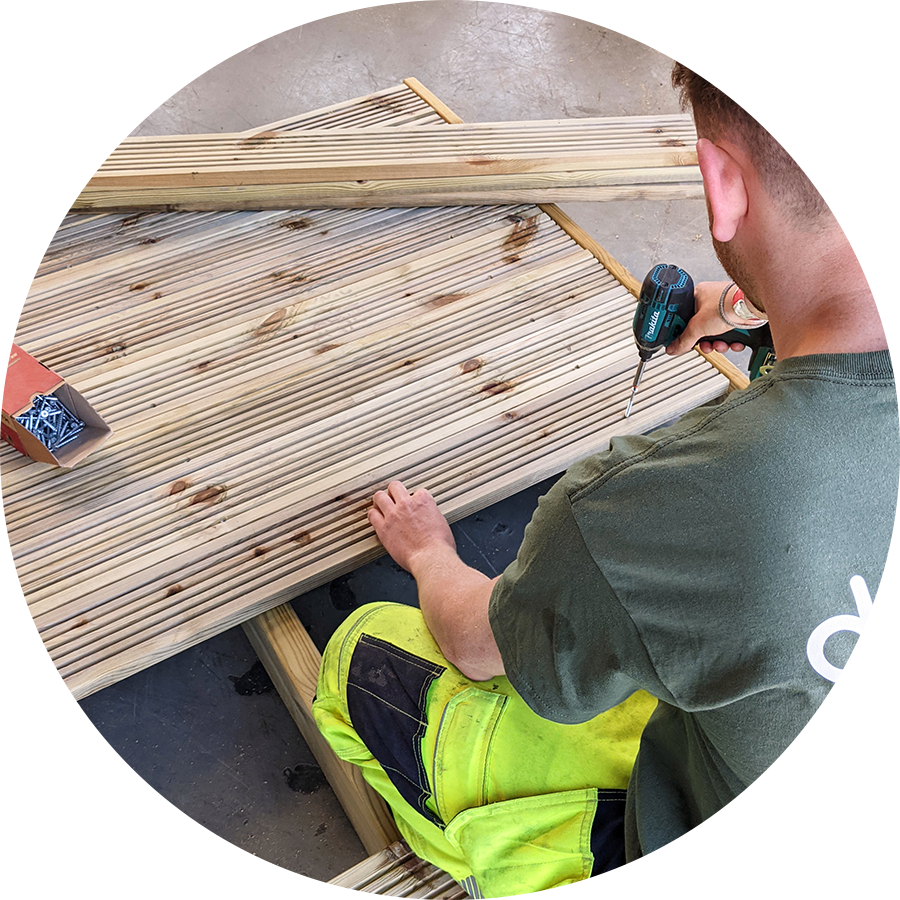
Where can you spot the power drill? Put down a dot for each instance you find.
(665, 305)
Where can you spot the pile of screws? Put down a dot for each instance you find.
(51, 422)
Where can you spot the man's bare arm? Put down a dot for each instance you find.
(453, 596)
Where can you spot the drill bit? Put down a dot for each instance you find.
(634, 385)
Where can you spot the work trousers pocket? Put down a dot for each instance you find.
(461, 757)
(528, 844)
(522, 822)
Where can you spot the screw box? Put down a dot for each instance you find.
(28, 379)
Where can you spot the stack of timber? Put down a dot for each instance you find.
(419, 165)
(266, 372)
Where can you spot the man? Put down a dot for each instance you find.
(690, 570)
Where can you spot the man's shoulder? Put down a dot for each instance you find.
(712, 437)
(806, 415)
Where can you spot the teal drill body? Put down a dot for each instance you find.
(665, 305)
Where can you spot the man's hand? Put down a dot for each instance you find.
(453, 597)
(705, 321)
(410, 526)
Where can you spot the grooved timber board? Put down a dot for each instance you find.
(266, 372)
(408, 165)
(681, 183)
(396, 872)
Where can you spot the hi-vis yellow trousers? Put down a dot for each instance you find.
(482, 787)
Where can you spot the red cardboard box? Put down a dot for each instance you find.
(27, 383)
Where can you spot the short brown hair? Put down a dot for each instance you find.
(716, 114)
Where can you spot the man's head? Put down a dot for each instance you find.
(718, 117)
(774, 234)
(758, 198)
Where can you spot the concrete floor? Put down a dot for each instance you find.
(218, 755)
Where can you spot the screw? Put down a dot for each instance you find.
(51, 422)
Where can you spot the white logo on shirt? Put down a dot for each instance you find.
(815, 646)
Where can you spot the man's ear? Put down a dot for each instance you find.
(726, 191)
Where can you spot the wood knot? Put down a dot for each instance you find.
(302, 538)
(174, 589)
(257, 140)
(471, 365)
(444, 300)
(524, 231)
(271, 324)
(215, 493)
(497, 387)
(179, 487)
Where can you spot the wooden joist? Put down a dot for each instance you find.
(407, 165)
(292, 661)
(265, 372)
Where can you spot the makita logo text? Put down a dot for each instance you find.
(653, 320)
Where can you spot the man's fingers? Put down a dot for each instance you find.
(678, 346)
(381, 501)
(384, 501)
(396, 498)
(682, 343)
(720, 346)
(398, 491)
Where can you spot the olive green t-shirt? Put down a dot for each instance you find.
(695, 563)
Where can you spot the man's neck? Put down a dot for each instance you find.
(818, 301)
(837, 325)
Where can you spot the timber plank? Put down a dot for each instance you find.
(407, 165)
(396, 871)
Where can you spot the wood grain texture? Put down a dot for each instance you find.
(683, 183)
(395, 871)
(350, 154)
